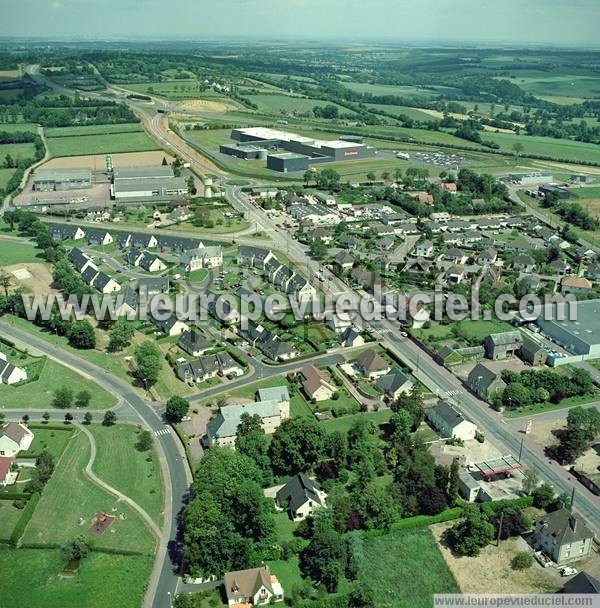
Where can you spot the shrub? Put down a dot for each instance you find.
(522, 561)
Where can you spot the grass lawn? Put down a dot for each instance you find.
(128, 127)
(17, 151)
(101, 144)
(102, 580)
(70, 495)
(51, 440)
(136, 474)
(550, 407)
(5, 175)
(344, 423)
(9, 515)
(477, 331)
(197, 276)
(410, 569)
(16, 127)
(19, 253)
(38, 394)
(249, 391)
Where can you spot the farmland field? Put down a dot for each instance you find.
(100, 144)
(127, 127)
(413, 113)
(547, 85)
(170, 89)
(400, 91)
(5, 175)
(284, 103)
(35, 580)
(17, 151)
(410, 561)
(12, 127)
(120, 464)
(70, 496)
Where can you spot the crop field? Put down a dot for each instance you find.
(100, 144)
(128, 127)
(124, 467)
(566, 86)
(413, 113)
(118, 581)
(11, 127)
(70, 497)
(279, 104)
(400, 91)
(5, 175)
(170, 89)
(408, 560)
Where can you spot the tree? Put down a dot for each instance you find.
(76, 550)
(514, 522)
(307, 177)
(110, 418)
(148, 361)
(530, 482)
(81, 335)
(518, 148)
(453, 482)
(543, 496)
(318, 249)
(413, 403)
(144, 442)
(522, 560)
(371, 177)
(472, 533)
(252, 441)
(120, 335)
(83, 398)
(177, 408)
(87, 418)
(46, 417)
(5, 282)
(25, 418)
(515, 395)
(68, 418)
(432, 501)
(297, 444)
(63, 398)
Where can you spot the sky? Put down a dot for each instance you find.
(547, 22)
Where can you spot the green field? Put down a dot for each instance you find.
(5, 175)
(51, 440)
(38, 394)
(413, 113)
(102, 580)
(170, 89)
(280, 104)
(120, 464)
(401, 91)
(17, 151)
(543, 84)
(100, 144)
(9, 516)
(18, 126)
(410, 569)
(344, 423)
(15, 253)
(129, 127)
(70, 495)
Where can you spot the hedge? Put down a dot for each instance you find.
(416, 521)
(26, 515)
(52, 427)
(14, 496)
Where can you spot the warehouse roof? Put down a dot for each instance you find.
(150, 172)
(149, 183)
(585, 327)
(62, 175)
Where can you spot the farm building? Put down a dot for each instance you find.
(48, 180)
(140, 184)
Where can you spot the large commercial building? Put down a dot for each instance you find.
(580, 336)
(292, 152)
(245, 152)
(48, 180)
(532, 177)
(147, 184)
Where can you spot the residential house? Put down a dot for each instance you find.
(253, 587)
(455, 256)
(487, 257)
(105, 284)
(417, 269)
(532, 353)
(563, 536)
(366, 279)
(315, 384)
(560, 268)
(170, 324)
(524, 263)
(14, 438)
(593, 271)
(371, 365)
(150, 262)
(343, 260)
(80, 260)
(5, 465)
(300, 496)
(585, 253)
(352, 337)
(9, 373)
(582, 583)
(194, 343)
(394, 383)
(502, 345)
(253, 256)
(66, 233)
(339, 323)
(127, 305)
(299, 287)
(152, 286)
(209, 366)
(450, 187)
(424, 249)
(349, 243)
(454, 275)
(484, 382)
(449, 422)
(575, 285)
(201, 257)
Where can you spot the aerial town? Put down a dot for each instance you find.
(302, 324)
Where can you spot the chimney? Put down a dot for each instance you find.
(573, 523)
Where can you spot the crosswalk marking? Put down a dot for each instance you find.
(165, 431)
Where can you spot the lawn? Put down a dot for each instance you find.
(136, 474)
(197, 276)
(9, 516)
(344, 423)
(101, 144)
(5, 175)
(38, 394)
(410, 569)
(51, 440)
(18, 253)
(102, 580)
(17, 151)
(477, 331)
(128, 127)
(71, 495)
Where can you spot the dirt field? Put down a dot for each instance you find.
(33, 278)
(9, 73)
(542, 433)
(201, 105)
(491, 572)
(97, 162)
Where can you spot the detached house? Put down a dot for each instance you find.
(487, 257)
(300, 497)
(344, 260)
(194, 343)
(485, 382)
(315, 384)
(14, 438)
(575, 285)
(424, 249)
(394, 383)
(254, 587)
(524, 263)
(9, 373)
(450, 422)
(371, 365)
(352, 337)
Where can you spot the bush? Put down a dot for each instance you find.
(24, 519)
(522, 561)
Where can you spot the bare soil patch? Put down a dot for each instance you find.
(33, 278)
(202, 105)
(97, 162)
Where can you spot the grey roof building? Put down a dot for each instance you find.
(484, 382)
(300, 496)
(503, 345)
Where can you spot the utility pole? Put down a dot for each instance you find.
(572, 500)
(500, 528)
(521, 449)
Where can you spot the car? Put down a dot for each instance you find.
(186, 419)
(568, 571)
(404, 334)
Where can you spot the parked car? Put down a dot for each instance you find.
(568, 571)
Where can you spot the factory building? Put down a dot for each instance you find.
(49, 180)
(531, 178)
(245, 152)
(580, 336)
(147, 184)
(291, 152)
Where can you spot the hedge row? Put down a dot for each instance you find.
(14, 496)
(52, 427)
(26, 515)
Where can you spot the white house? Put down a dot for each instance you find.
(254, 587)
(300, 497)
(14, 438)
(451, 423)
(9, 373)
(315, 384)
